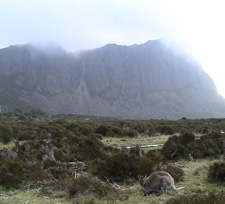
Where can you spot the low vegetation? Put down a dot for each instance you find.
(75, 159)
(217, 171)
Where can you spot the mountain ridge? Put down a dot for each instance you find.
(142, 81)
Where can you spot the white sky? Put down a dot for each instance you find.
(198, 25)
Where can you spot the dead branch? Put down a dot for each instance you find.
(79, 168)
(143, 146)
(191, 158)
(176, 165)
(147, 131)
(114, 184)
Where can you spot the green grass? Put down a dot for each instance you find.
(8, 145)
(117, 142)
(195, 181)
(32, 196)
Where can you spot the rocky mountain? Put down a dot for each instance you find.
(145, 81)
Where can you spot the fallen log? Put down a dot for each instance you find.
(143, 146)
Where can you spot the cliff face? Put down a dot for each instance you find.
(139, 81)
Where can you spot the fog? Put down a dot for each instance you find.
(196, 26)
(76, 25)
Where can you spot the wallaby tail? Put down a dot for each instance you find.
(174, 188)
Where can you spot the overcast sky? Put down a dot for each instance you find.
(197, 25)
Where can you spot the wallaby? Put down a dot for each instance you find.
(159, 180)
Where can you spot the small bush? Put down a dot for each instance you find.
(131, 133)
(11, 173)
(173, 149)
(90, 148)
(102, 129)
(210, 198)
(156, 156)
(217, 171)
(123, 166)
(205, 147)
(175, 172)
(88, 184)
(186, 138)
(86, 129)
(165, 130)
(6, 134)
(94, 135)
(137, 151)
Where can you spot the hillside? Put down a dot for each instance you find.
(140, 81)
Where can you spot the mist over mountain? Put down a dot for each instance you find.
(144, 81)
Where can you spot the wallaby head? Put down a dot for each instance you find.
(157, 181)
(141, 180)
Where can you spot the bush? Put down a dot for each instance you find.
(137, 151)
(199, 199)
(131, 133)
(94, 135)
(186, 137)
(11, 173)
(175, 172)
(156, 156)
(205, 147)
(217, 171)
(165, 129)
(90, 148)
(102, 129)
(86, 129)
(123, 166)
(173, 149)
(6, 134)
(88, 184)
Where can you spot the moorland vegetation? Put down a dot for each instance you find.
(77, 159)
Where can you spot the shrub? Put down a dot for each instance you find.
(156, 156)
(59, 172)
(140, 127)
(24, 135)
(175, 172)
(186, 144)
(137, 151)
(88, 184)
(205, 147)
(90, 148)
(217, 171)
(131, 133)
(86, 129)
(123, 166)
(165, 129)
(102, 129)
(199, 199)
(6, 134)
(94, 135)
(11, 173)
(186, 137)
(173, 149)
